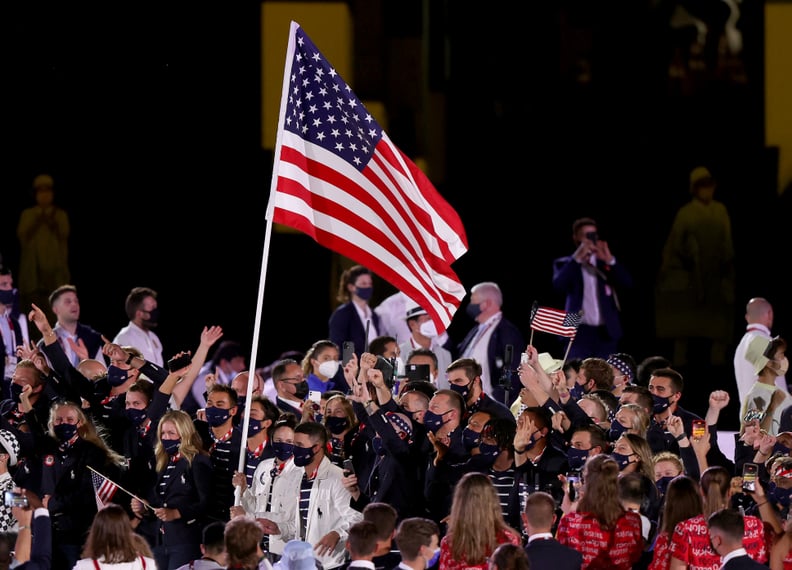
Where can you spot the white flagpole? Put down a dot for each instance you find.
(264, 261)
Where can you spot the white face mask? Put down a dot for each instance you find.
(329, 368)
(428, 329)
(781, 366)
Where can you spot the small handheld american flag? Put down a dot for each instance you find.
(104, 489)
(555, 321)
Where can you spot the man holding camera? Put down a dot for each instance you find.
(589, 278)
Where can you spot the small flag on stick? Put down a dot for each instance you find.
(555, 321)
(104, 489)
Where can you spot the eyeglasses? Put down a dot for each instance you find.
(294, 380)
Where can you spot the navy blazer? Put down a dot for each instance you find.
(187, 489)
(568, 280)
(505, 333)
(41, 544)
(549, 553)
(345, 325)
(744, 562)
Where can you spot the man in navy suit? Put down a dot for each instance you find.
(543, 550)
(590, 279)
(487, 341)
(726, 528)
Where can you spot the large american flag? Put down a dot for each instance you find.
(555, 321)
(338, 178)
(104, 489)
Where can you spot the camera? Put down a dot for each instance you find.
(417, 372)
(592, 236)
(179, 362)
(13, 499)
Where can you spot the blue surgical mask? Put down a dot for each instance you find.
(217, 416)
(662, 484)
(470, 438)
(660, 404)
(462, 390)
(364, 293)
(615, 431)
(473, 310)
(577, 392)
(135, 416)
(577, 458)
(433, 421)
(64, 432)
(282, 450)
(622, 460)
(254, 426)
(303, 456)
(116, 376)
(171, 446)
(433, 560)
(335, 425)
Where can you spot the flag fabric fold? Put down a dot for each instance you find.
(338, 178)
(104, 489)
(555, 321)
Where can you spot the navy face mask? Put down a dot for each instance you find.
(470, 438)
(662, 484)
(577, 458)
(217, 416)
(577, 391)
(433, 421)
(254, 426)
(615, 431)
(282, 450)
(303, 455)
(622, 460)
(779, 496)
(336, 425)
(660, 404)
(116, 376)
(473, 310)
(462, 390)
(135, 416)
(364, 293)
(64, 432)
(171, 446)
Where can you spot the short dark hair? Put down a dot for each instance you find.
(362, 538)
(729, 521)
(413, 533)
(55, 295)
(384, 516)
(677, 382)
(135, 300)
(213, 536)
(315, 431)
(471, 367)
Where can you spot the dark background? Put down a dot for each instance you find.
(148, 117)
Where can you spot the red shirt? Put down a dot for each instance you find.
(661, 557)
(690, 543)
(617, 549)
(448, 563)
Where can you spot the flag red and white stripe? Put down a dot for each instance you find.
(104, 489)
(338, 178)
(555, 321)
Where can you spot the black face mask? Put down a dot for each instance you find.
(301, 390)
(153, 318)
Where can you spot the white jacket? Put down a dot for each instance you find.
(254, 499)
(329, 509)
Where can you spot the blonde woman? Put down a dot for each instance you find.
(475, 526)
(71, 452)
(173, 512)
